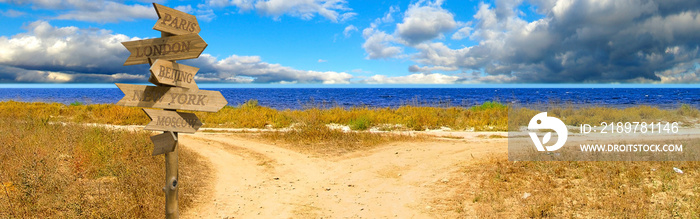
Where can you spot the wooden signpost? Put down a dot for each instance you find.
(175, 89)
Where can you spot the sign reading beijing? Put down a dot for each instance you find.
(166, 72)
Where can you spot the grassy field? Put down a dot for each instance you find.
(498, 188)
(74, 171)
(686, 115)
(68, 170)
(490, 116)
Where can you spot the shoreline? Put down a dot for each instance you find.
(381, 97)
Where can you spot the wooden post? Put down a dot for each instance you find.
(174, 81)
(171, 176)
(172, 184)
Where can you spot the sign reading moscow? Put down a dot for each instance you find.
(163, 120)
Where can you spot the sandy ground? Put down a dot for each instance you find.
(259, 180)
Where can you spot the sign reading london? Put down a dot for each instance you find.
(180, 47)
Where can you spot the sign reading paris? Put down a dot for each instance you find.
(175, 22)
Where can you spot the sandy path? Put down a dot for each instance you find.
(258, 180)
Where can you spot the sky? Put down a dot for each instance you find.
(339, 43)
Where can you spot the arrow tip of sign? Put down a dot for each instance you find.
(155, 6)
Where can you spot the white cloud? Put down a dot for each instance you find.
(93, 11)
(43, 76)
(439, 54)
(48, 4)
(430, 69)
(333, 10)
(115, 11)
(347, 16)
(184, 8)
(69, 54)
(425, 22)
(305, 9)
(348, 30)
(420, 78)
(237, 67)
(377, 44)
(682, 74)
(204, 13)
(388, 16)
(322, 61)
(12, 13)
(243, 5)
(462, 33)
(109, 12)
(358, 70)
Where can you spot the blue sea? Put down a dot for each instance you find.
(300, 98)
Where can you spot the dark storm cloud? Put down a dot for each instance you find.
(69, 54)
(578, 41)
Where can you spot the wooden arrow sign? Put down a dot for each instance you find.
(163, 120)
(163, 143)
(188, 46)
(164, 72)
(171, 98)
(175, 22)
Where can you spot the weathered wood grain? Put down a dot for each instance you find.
(164, 72)
(181, 47)
(175, 22)
(171, 98)
(163, 120)
(163, 143)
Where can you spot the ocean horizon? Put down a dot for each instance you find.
(301, 98)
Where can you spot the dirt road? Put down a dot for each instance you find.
(258, 180)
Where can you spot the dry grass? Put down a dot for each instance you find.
(490, 116)
(318, 139)
(495, 187)
(74, 171)
(686, 115)
(50, 170)
(78, 113)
